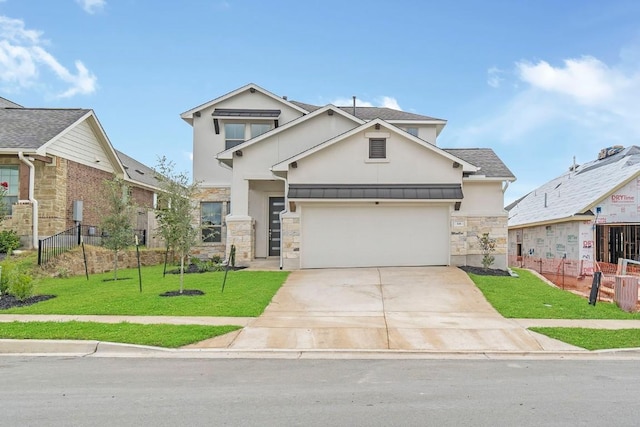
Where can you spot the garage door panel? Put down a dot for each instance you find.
(369, 235)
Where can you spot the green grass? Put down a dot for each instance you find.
(171, 336)
(246, 294)
(529, 297)
(594, 339)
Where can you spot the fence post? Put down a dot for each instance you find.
(79, 234)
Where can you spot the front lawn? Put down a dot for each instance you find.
(594, 339)
(170, 336)
(246, 294)
(528, 297)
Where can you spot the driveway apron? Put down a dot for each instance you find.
(395, 308)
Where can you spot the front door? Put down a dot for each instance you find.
(276, 205)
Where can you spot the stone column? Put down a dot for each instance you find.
(240, 232)
(290, 241)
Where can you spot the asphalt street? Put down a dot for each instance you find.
(57, 391)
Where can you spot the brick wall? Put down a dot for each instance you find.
(90, 192)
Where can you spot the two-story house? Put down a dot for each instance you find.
(340, 186)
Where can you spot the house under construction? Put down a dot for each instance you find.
(585, 217)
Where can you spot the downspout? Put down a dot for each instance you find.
(32, 200)
(282, 212)
(505, 186)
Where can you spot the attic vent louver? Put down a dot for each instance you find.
(139, 171)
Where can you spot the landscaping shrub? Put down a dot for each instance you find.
(9, 241)
(7, 271)
(21, 286)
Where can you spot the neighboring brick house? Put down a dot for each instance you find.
(50, 159)
(340, 186)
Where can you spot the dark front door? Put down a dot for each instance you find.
(276, 205)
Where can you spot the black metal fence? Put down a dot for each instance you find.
(60, 243)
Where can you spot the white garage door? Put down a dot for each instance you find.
(368, 235)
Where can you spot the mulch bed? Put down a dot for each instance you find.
(9, 301)
(481, 271)
(185, 293)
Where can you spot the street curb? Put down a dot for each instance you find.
(116, 350)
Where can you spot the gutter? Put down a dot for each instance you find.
(282, 212)
(32, 200)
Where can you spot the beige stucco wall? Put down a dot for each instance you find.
(258, 159)
(206, 144)
(348, 162)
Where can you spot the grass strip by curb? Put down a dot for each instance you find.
(594, 339)
(158, 335)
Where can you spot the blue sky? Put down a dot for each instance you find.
(537, 81)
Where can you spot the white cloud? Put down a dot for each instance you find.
(383, 101)
(587, 79)
(493, 77)
(92, 6)
(24, 60)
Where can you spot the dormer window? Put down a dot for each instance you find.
(378, 148)
(233, 134)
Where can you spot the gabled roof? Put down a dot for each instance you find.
(138, 172)
(5, 103)
(188, 115)
(489, 163)
(370, 113)
(24, 129)
(284, 165)
(228, 154)
(575, 193)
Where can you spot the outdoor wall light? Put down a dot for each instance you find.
(238, 153)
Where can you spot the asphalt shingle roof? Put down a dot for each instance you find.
(371, 113)
(137, 171)
(489, 163)
(575, 191)
(30, 128)
(5, 103)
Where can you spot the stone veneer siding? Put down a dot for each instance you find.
(100, 260)
(465, 230)
(208, 250)
(290, 241)
(240, 233)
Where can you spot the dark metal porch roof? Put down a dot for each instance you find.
(376, 191)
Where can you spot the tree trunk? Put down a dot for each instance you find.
(181, 272)
(115, 266)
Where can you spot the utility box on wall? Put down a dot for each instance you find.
(77, 210)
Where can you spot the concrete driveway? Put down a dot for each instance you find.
(407, 308)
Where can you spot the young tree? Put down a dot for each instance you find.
(178, 211)
(117, 221)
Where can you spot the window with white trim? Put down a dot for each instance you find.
(258, 129)
(233, 134)
(9, 180)
(378, 148)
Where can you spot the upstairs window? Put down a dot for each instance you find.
(377, 148)
(233, 134)
(412, 131)
(9, 180)
(258, 129)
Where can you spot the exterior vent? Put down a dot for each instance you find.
(377, 148)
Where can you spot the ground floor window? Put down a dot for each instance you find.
(9, 180)
(211, 214)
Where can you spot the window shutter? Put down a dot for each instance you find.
(378, 148)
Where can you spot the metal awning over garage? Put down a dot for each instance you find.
(376, 191)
